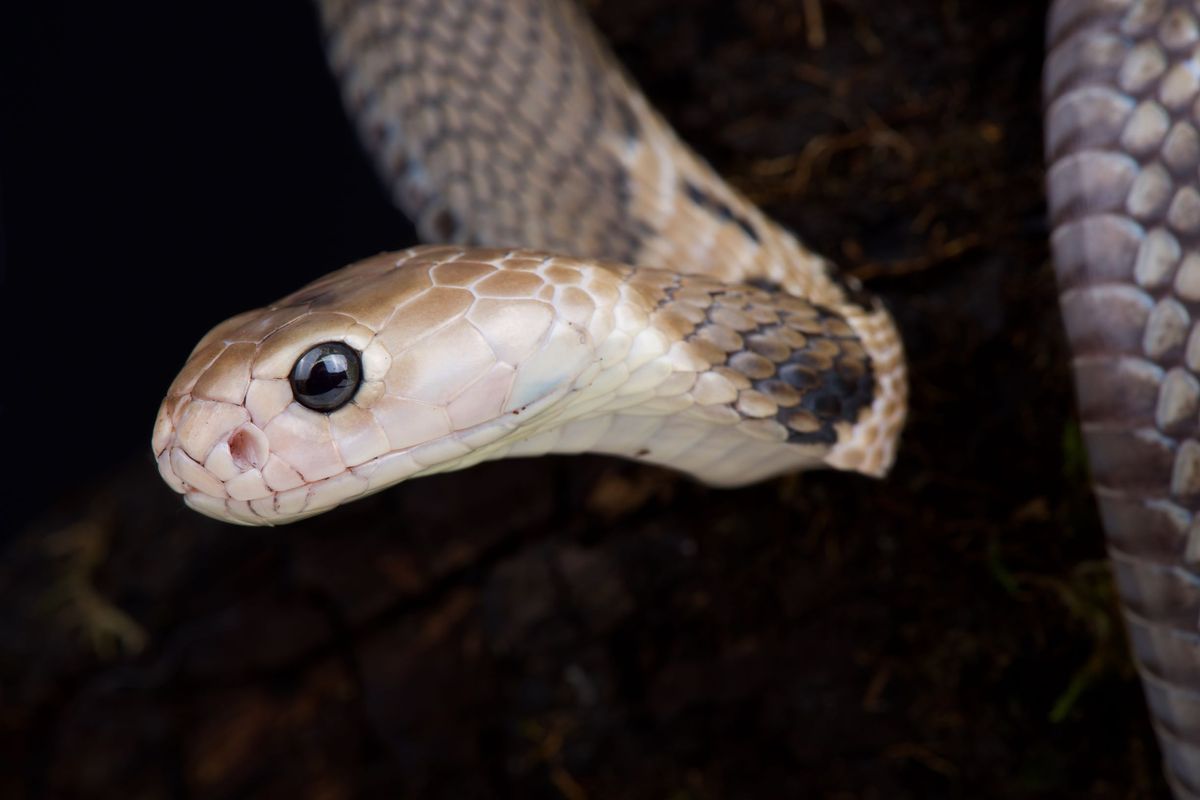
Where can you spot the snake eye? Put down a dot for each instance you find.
(326, 377)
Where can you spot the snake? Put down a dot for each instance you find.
(597, 287)
(1121, 86)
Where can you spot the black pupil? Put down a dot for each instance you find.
(326, 377)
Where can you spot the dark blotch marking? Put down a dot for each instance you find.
(831, 395)
(629, 122)
(830, 392)
(720, 209)
(697, 195)
(765, 284)
(746, 227)
(798, 377)
(827, 405)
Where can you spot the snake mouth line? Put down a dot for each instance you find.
(208, 494)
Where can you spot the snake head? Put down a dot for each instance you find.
(399, 365)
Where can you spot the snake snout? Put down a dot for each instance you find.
(211, 448)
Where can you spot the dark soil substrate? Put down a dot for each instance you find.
(587, 628)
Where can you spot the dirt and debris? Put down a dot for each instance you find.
(585, 628)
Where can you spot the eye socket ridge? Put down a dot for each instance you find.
(326, 377)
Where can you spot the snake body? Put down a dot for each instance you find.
(506, 125)
(1122, 86)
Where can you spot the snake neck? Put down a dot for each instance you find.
(508, 123)
(726, 382)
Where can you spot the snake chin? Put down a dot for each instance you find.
(231, 473)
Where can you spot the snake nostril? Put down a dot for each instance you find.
(249, 448)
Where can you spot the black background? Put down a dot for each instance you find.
(162, 169)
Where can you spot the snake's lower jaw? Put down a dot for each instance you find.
(225, 468)
(218, 462)
(239, 483)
